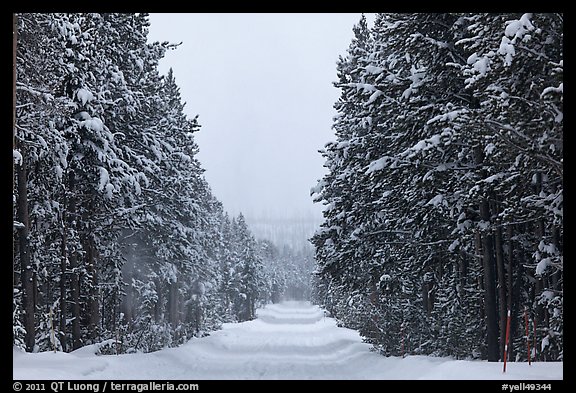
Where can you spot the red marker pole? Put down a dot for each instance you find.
(527, 336)
(506, 341)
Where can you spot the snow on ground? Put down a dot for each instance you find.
(291, 340)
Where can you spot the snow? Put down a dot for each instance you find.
(104, 178)
(84, 96)
(497, 176)
(449, 116)
(374, 97)
(454, 245)
(480, 67)
(374, 70)
(542, 265)
(518, 28)
(545, 343)
(109, 190)
(17, 157)
(58, 171)
(548, 248)
(290, 340)
(140, 64)
(93, 124)
(548, 295)
(378, 165)
(416, 76)
(318, 187)
(490, 148)
(507, 50)
(362, 86)
(552, 89)
(437, 200)
(422, 145)
(515, 29)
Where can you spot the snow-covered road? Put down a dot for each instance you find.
(291, 340)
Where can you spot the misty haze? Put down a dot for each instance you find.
(215, 196)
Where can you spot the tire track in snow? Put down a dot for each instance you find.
(287, 340)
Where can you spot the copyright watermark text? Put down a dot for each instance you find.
(102, 386)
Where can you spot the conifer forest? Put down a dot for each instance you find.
(442, 196)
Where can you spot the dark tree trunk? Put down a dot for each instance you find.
(522, 292)
(427, 295)
(26, 273)
(94, 299)
(540, 312)
(490, 301)
(23, 217)
(74, 267)
(63, 297)
(502, 301)
(75, 294)
(510, 286)
(275, 296)
(488, 264)
(127, 304)
(173, 304)
(158, 307)
(247, 308)
(373, 322)
(463, 271)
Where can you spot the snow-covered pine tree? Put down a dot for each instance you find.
(516, 70)
(344, 160)
(440, 189)
(274, 272)
(172, 219)
(416, 80)
(38, 152)
(248, 277)
(106, 171)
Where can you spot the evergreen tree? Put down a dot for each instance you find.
(117, 235)
(423, 209)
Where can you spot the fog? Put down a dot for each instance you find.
(262, 87)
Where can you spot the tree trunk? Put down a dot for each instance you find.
(427, 296)
(510, 286)
(502, 301)
(488, 264)
(26, 273)
(75, 294)
(173, 304)
(539, 285)
(63, 297)
(75, 274)
(490, 302)
(374, 298)
(520, 261)
(463, 271)
(94, 299)
(159, 306)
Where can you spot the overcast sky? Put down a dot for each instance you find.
(262, 87)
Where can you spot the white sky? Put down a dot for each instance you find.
(262, 87)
